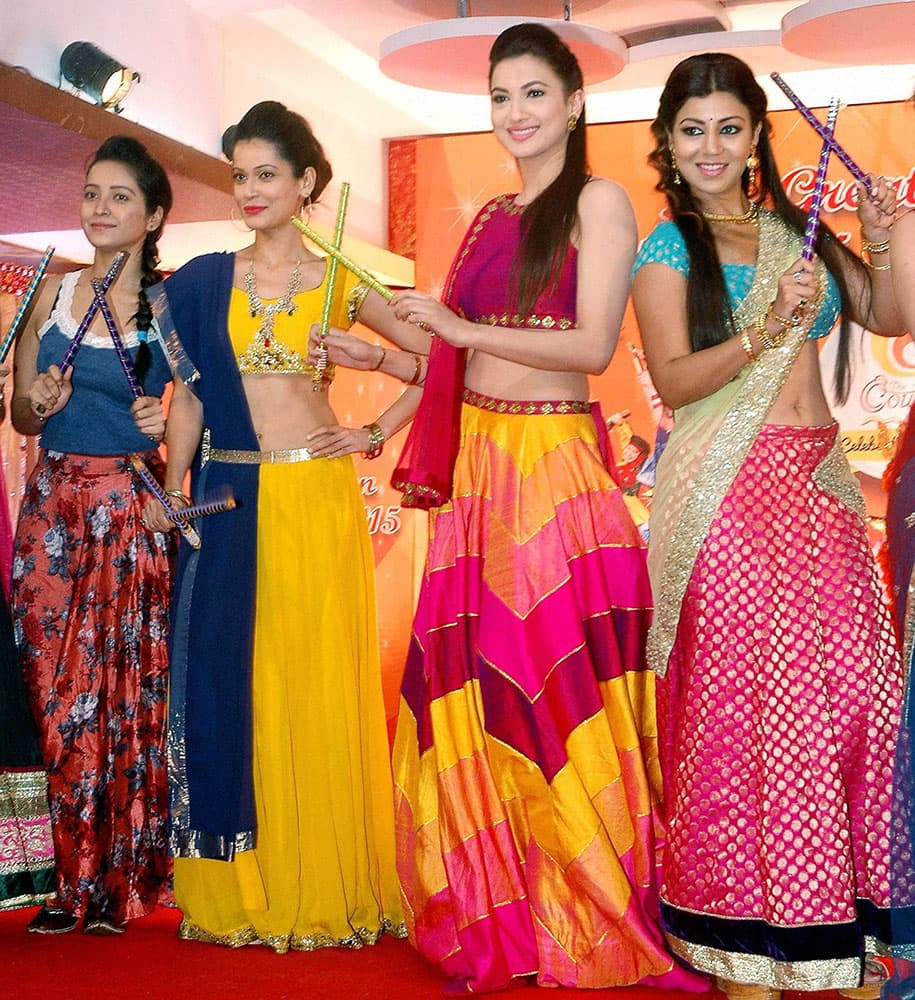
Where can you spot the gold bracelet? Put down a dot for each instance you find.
(763, 333)
(180, 495)
(376, 440)
(384, 354)
(747, 345)
(876, 267)
(867, 246)
(780, 319)
(417, 370)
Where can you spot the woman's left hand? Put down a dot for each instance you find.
(333, 441)
(876, 211)
(427, 312)
(149, 417)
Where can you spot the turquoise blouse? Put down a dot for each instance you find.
(665, 245)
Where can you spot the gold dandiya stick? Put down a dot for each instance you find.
(24, 304)
(321, 361)
(188, 530)
(364, 276)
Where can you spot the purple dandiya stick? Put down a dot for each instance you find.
(135, 389)
(86, 321)
(189, 532)
(25, 303)
(813, 216)
(818, 126)
(214, 506)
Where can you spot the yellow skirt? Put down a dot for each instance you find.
(323, 871)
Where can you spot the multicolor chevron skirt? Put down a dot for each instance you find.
(525, 758)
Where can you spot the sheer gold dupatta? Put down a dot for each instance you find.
(712, 437)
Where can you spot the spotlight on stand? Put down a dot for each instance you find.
(96, 74)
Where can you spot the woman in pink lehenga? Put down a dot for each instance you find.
(779, 707)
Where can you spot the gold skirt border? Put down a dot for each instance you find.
(759, 970)
(361, 936)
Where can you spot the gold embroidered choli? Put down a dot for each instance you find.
(285, 350)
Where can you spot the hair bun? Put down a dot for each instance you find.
(228, 141)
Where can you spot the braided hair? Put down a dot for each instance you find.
(153, 183)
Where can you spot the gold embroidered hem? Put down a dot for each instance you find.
(760, 970)
(361, 936)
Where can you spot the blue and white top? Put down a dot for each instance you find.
(97, 418)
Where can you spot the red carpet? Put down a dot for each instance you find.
(150, 963)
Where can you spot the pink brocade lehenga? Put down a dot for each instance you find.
(525, 760)
(782, 682)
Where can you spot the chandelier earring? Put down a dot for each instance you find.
(753, 174)
(675, 167)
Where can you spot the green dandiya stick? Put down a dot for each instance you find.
(24, 304)
(367, 279)
(321, 362)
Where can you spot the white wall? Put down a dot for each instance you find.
(177, 51)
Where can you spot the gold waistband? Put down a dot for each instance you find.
(258, 457)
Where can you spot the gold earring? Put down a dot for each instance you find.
(572, 122)
(753, 174)
(677, 179)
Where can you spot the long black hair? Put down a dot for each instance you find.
(289, 133)
(708, 311)
(154, 185)
(549, 220)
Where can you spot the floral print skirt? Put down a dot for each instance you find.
(90, 601)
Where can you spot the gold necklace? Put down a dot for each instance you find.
(751, 216)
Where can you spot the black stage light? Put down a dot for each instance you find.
(96, 74)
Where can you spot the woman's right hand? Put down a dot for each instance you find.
(796, 290)
(344, 349)
(50, 392)
(154, 517)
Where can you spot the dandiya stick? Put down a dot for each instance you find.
(813, 216)
(112, 325)
(86, 321)
(364, 276)
(321, 361)
(25, 303)
(821, 129)
(189, 532)
(215, 505)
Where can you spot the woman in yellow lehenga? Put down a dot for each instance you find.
(282, 822)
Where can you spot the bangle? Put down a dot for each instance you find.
(868, 246)
(781, 319)
(179, 495)
(376, 440)
(876, 267)
(384, 354)
(763, 333)
(747, 345)
(415, 378)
